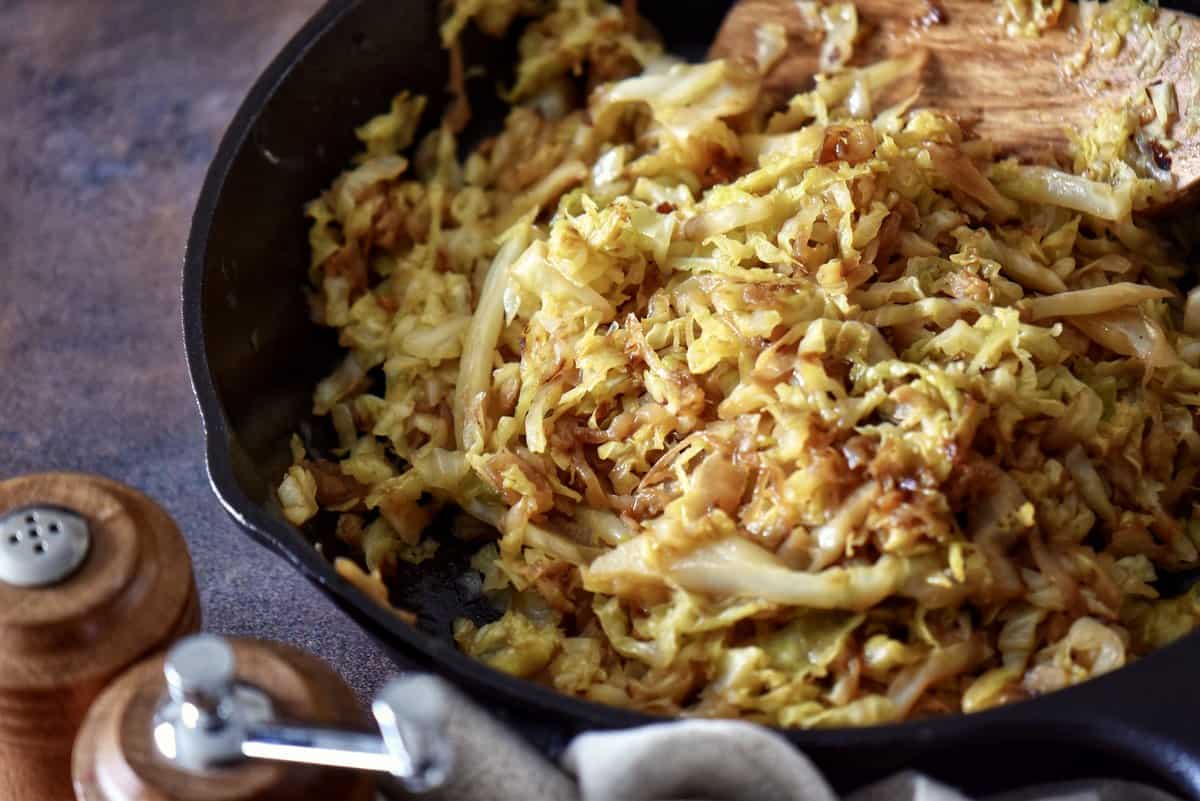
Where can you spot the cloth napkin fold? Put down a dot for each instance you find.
(691, 760)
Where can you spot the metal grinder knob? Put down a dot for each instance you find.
(177, 727)
(206, 714)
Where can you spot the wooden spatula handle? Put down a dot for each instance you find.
(1021, 93)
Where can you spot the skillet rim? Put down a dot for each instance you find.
(1068, 708)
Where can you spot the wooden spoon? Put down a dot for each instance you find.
(1024, 94)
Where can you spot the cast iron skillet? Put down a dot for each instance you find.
(254, 358)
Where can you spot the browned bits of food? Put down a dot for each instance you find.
(1162, 156)
(817, 418)
(853, 144)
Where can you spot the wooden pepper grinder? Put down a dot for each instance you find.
(94, 576)
(126, 746)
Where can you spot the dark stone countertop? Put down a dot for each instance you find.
(110, 115)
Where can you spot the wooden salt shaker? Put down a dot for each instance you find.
(94, 576)
(116, 757)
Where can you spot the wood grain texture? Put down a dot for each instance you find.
(115, 759)
(61, 645)
(1014, 91)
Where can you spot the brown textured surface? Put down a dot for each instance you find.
(111, 113)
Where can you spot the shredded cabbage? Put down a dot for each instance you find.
(817, 417)
(1028, 18)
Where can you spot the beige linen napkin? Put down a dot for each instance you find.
(692, 760)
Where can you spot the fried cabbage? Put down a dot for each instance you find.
(806, 414)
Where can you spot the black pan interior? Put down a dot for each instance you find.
(255, 357)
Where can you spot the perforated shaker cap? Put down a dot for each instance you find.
(93, 575)
(42, 545)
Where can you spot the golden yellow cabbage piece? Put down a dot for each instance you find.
(804, 412)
